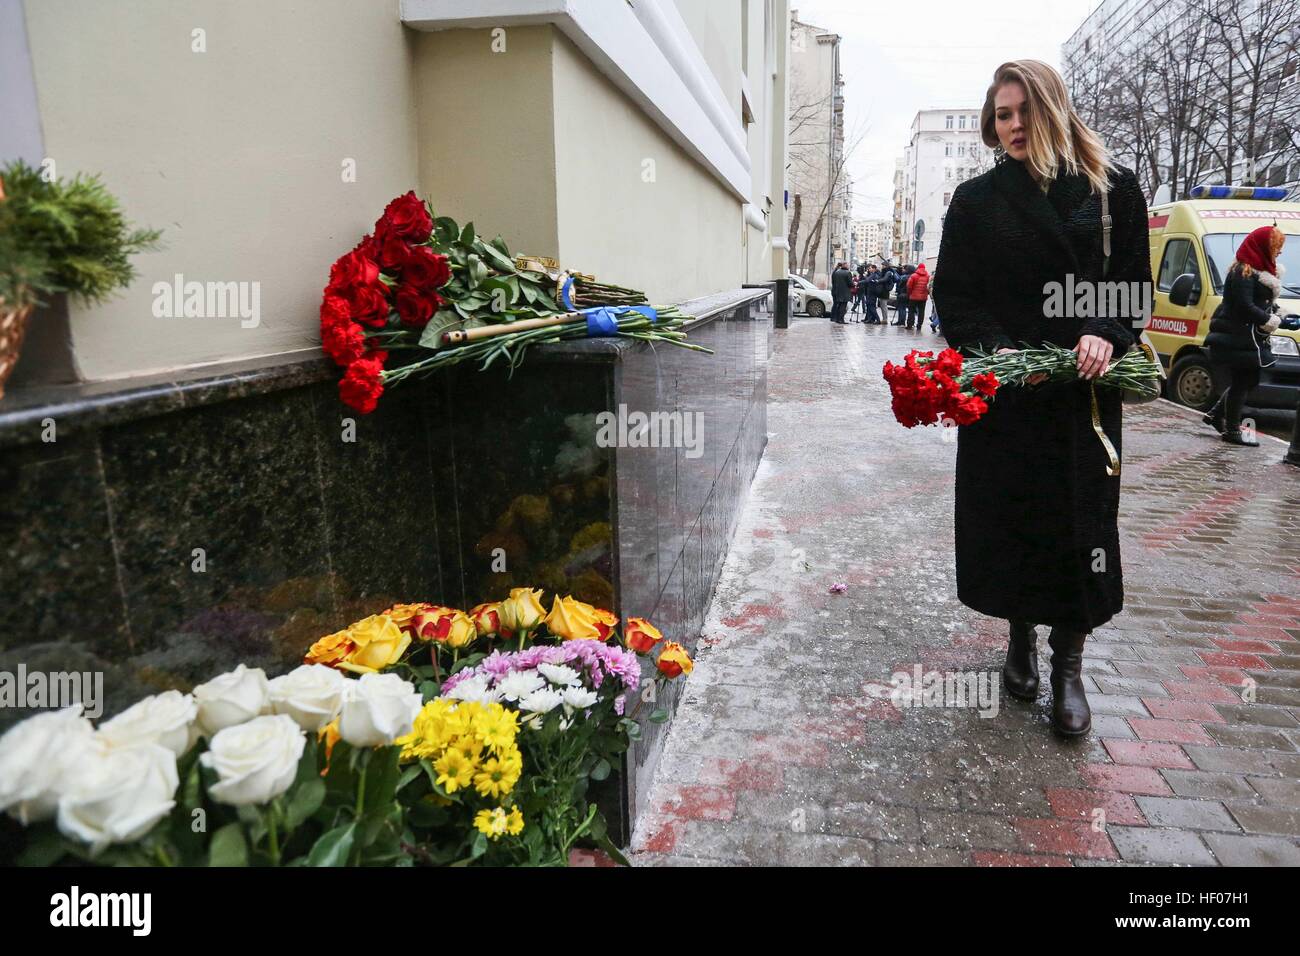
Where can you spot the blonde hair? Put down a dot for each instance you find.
(1055, 137)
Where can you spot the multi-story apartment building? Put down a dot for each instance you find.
(944, 149)
(896, 245)
(818, 217)
(870, 238)
(1188, 91)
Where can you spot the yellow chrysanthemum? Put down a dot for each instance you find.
(498, 728)
(454, 771)
(496, 777)
(492, 822)
(515, 822)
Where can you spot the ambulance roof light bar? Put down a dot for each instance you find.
(1271, 193)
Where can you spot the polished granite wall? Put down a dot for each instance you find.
(173, 529)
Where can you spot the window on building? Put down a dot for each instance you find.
(961, 147)
(948, 124)
(947, 172)
(961, 121)
(947, 149)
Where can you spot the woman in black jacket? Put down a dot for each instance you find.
(1240, 328)
(1037, 503)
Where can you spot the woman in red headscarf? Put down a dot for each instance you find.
(1240, 328)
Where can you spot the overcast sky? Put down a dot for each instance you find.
(903, 57)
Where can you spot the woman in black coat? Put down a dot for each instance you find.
(1241, 326)
(1036, 510)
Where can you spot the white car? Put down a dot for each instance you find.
(808, 298)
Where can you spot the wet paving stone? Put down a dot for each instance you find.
(788, 747)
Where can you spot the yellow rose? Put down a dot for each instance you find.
(674, 661)
(444, 625)
(522, 611)
(575, 621)
(379, 643)
(331, 650)
(402, 613)
(486, 618)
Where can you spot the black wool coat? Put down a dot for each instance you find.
(1237, 336)
(1036, 514)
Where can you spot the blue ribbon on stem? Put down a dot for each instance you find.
(603, 320)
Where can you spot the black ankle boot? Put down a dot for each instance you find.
(1215, 421)
(1070, 714)
(1237, 437)
(1020, 672)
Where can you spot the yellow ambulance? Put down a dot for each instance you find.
(1199, 237)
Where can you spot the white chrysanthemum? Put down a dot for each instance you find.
(559, 674)
(475, 689)
(541, 701)
(519, 684)
(578, 698)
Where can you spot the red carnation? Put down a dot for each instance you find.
(986, 383)
(407, 218)
(361, 385)
(342, 340)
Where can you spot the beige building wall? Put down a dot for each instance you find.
(236, 153)
(490, 156)
(633, 208)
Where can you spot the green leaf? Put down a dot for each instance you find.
(228, 847)
(601, 770)
(332, 848)
(306, 800)
(409, 774)
(45, 847)
(467, 234)
(658, 716)
(615, 854)
(498, 259)
(445, 230)
(429, 690)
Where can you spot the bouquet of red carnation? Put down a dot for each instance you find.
(929, 390)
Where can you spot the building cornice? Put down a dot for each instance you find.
(645, 50)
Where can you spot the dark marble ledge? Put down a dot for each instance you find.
(85, 406)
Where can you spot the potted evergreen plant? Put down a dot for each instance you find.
(58, 237)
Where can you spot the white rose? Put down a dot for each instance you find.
(377, 709)
(116, 795)
(232, 698)
(255, 761)
(311, 694)
(35, 756)
(166, 719)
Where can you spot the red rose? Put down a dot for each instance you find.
(416, 307)
(355, 268)
(369, 304)
(425, 269)
(406, 218)
(361, 385)
(393, 250)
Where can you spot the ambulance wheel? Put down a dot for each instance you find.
(1191, 383)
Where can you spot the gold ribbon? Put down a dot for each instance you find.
(1112, 469)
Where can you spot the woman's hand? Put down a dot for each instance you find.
(1034, 379)
(1093, 355)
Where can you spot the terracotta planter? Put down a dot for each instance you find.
(13, 326)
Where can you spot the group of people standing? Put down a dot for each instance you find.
(872, 289)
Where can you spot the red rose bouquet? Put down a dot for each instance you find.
(419, 283)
